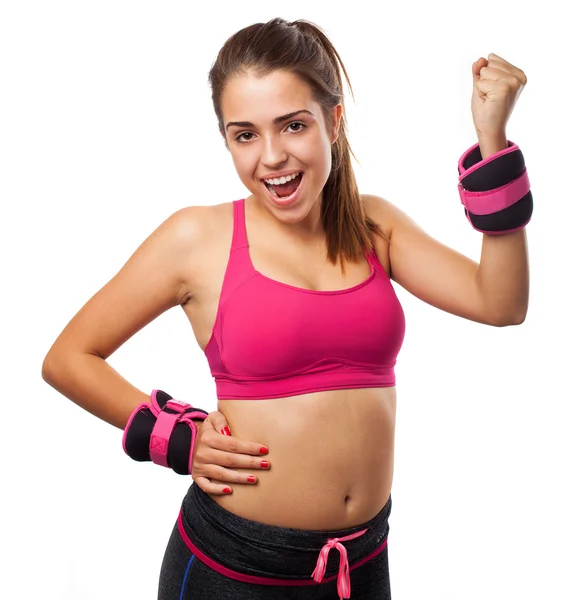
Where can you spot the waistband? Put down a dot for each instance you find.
(264, 554)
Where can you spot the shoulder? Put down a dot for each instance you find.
(201, 235)
(187, 221)
(383, 212)
(185, 235)
(194, 224)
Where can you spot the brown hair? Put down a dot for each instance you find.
(300, 47)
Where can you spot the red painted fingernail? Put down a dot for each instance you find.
(263, 450)
(225, 430)
(251, 479)
(226, 490)
(264, 464)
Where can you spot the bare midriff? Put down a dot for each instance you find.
(330, 454)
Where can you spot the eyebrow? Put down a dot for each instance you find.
(275, 121)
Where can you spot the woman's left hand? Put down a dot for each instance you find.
(497, 86)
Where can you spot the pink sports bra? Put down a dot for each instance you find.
(272, 340)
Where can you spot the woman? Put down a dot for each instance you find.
(303, 352)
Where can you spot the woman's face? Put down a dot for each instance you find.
(266, 140)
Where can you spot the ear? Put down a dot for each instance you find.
(336, 114)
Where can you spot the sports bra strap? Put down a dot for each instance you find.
(239, 230)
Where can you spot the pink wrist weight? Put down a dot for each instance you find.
(495, 191)
(163, 431)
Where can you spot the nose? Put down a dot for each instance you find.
(274, 152)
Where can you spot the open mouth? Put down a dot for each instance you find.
(285, 191)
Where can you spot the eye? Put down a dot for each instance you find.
(240, 136)
(302, 126)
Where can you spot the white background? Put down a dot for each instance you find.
(107, 128)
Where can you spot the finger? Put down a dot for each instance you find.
(227, 443)
(491, 74)
(219, 422)
(496, 74)
(497, 61)
(208, 458)
(218, 475)
(217, 489)
(216, 479)
(481, 62)
(495, 58)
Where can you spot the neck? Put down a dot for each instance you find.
(307, 229)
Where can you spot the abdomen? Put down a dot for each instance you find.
(331, 456)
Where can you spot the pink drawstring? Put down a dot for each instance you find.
(344, 570)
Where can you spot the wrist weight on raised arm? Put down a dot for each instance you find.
(163, 431)
(495, 191)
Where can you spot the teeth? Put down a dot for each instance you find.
(280, 180)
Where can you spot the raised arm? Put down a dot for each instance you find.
(151, 282)
(493, 291)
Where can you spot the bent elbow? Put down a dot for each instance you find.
(50, 368)
(45, 370)
(509, 319)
